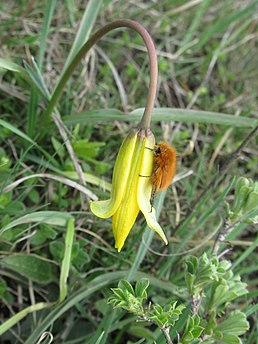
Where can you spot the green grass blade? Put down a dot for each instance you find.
(245, 254)
(49, 10)
(101, 333)
(205, 216)
(34, 98)
(101, 336)
(196, 116)
(37, 78)
(75, 54)
(226, 21)
(200, 13)
(251, 310)
(21, 134)
(71, 9)
(13, 67)
(87, 22)
(161, 114)
(16, 131)
(66, 262)
(56, 218)
(22, 314)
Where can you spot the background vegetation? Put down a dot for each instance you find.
(207, 53)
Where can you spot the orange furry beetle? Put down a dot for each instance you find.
(164, 167)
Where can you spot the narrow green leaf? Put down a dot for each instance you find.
(87, 22)
(33, 104)
(37, 78)
(125, 285)
(16, 131)
(22, 314)
(49, 10)
(224, 23)
(161, 114)
(21, 134)
(141, 287)
(67, 259)
(245, 254)
(13, 67)
(50, 217)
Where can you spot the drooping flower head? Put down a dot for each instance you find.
(131, 187)
(131, 184)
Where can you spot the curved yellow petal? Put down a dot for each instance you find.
(125, 216)
(105, 209)
(145, 188)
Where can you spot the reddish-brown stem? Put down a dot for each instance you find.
(145, 121)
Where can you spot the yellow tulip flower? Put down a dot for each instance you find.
(131, 187)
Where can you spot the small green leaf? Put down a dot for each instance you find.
(56, 249)
(141, 287)
(8, 65)
(235, 324)
(3, 288)
(230, 339)
(119, 293)
(59, 147)
(86, 150)
(34, 196)
(245, 207)
(125, 285)
(30, 266)
(43, 233)
(5, 199)
(197, 331)
(49, 217)
(81, 259)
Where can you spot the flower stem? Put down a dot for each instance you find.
(145, 121)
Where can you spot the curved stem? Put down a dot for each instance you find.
(145, 121)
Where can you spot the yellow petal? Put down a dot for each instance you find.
(145, 188)
(105, 209)
(125, 216)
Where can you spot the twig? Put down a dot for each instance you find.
(195, 304)
(77, 166)
(165, 331)
(225, 230)
(62, 180)
(225, 163)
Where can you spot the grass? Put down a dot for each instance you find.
(207, 93)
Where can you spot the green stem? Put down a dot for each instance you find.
(22, 314)
(145, 121)
(66, 260)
